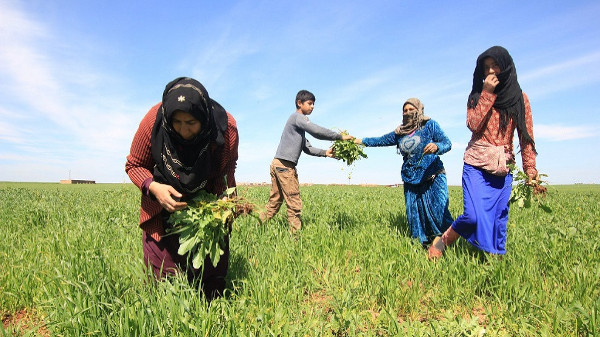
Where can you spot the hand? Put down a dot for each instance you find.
(164, 194)
(490, 83)
(347, 137)
(534, 179)
(430, 148)
(535, 182)
(358, 141)
(329, 153)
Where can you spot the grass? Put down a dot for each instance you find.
(71, 258)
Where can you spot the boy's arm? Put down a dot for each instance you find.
(313, 151)
(317, 131)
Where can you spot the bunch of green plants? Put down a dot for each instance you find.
(525, 193)
(204, 224)
(348, 151)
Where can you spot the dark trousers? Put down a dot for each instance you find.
(162, 257)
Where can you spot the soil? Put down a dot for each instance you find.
(25, 321)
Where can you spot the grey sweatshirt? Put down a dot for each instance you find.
(293, 139)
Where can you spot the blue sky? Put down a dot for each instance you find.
(76, 77)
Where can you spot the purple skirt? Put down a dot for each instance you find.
(485, 201)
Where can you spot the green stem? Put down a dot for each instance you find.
(419, 163)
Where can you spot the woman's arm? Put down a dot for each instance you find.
(139, 164)
(477, 117)
(388, 139)
(439, 138)
(527, 153)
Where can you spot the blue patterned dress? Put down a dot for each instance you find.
(425, 185)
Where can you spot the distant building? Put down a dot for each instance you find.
(73, 181)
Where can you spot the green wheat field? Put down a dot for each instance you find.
(71, 265)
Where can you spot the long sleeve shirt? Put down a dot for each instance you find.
(484, 123)
(416, 167)
(293, 138)
(140, 165)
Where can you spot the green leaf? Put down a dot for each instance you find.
(348, 151)
(198, 259)
(229, 191)
(215, 253)
(187, 246)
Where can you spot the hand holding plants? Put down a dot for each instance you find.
(203, 226)
(527, 189)
(348, 149)
(164, 195)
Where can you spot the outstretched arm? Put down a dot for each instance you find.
(388, 139)
(313, 151)
(317, 131)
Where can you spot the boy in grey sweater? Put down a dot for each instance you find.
(284, 177)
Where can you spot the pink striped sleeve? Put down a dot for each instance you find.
(527, 153)
(477, 117)
(139, 163)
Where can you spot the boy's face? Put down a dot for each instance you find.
(306, 107)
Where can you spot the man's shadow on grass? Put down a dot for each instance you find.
(344, 221)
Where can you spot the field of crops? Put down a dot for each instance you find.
(71, 265)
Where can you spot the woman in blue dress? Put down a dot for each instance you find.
(420, 140)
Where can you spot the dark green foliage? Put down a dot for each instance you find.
(348, 151)
(523, 193)
(202, 227)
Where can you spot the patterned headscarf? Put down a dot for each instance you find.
(412, 120)
(509, 96)
(186, 164)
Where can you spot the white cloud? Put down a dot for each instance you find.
(564, 66)
(565, 75)
(555, 133)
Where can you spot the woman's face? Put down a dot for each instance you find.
(490, 67)
(186, 125)
(408, 108)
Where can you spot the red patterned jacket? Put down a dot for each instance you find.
(140, 164)
(484, 122)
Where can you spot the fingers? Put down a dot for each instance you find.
(430, 148)
(490, 83)
(166, 196)
(171, 205)
(492, 78)
(179, 205)
(174, 192)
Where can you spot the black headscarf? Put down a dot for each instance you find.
(186, 164)
(509, 96)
